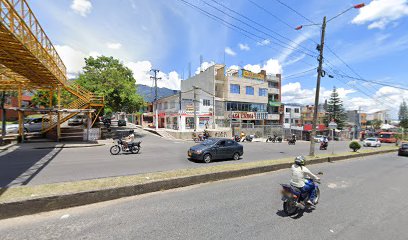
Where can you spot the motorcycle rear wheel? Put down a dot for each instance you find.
(289, 207)
(115, 150)
(135, 149)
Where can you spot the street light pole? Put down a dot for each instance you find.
(319, 75)
(320, 72)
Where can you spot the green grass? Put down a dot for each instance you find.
(7, 123)
(34, 116)
(55, 189)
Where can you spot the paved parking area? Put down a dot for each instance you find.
(27, 165)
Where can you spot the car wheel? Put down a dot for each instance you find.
(207, 158)
(236, 156)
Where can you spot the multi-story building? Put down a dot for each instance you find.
(355, 118)
(224, 98)
(379, 115)
(240, 96)
(307, 117)
(177, 111)
(292, 115)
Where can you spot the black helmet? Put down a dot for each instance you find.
(131, 131)
(300, 160)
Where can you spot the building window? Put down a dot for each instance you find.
(250, 90)
(297, 110)
(287, 110)
(286, 120)
(206, 102)
(263, 92)
(272, 85)
(235, 88)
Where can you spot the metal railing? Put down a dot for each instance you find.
(17, 17)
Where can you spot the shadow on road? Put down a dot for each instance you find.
(300, 214)
(20, 166)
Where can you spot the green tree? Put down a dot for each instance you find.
(108, 77)
(41, 98)
(335, 110)
(376, 123)
(403, 111)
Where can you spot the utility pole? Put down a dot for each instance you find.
(179, 125)
(195, 107)
(155, 78)
(319, 75)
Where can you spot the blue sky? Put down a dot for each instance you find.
(168, 34)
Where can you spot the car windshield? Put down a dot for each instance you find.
(404, 146)
(371, 139)
(385, 135)
(209, 142)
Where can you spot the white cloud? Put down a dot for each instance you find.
(229, 51)
(141, 72)
(272, 66)
(288, 51)
(388, 98)
(244, 47)
(114, 46)
(264, 42)
(204, 66)
(73, 59)
(379, 13)
(82, 7)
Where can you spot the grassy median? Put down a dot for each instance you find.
(32, 192)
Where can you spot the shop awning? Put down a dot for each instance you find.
(274, 104)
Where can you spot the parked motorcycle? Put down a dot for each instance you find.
(133, 147)
(324, 145)
(294, 200)
(271, 139)
(291, 141)
(274, 139)
(248, 138)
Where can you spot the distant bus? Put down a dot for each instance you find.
(388, 137)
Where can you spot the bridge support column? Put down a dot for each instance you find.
(20, 114)
(58, 113)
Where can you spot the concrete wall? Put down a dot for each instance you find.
(204, 80)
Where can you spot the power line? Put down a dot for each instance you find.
(263, 26)
(374, 82)
(233, 27)
(298, 13)
(282, 44)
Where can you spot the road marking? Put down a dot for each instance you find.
(64, 216)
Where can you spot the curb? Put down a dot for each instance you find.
(6, 147)
(33, 206)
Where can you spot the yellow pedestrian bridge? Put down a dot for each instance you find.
(29, 62)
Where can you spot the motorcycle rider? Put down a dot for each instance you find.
(243, 135)
(130, 138)
(325, 141)
(298, 180)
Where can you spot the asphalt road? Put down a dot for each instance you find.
(27, 165)
(361, 199)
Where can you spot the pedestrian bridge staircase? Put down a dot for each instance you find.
(29, 61)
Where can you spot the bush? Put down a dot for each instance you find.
(355, 146)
